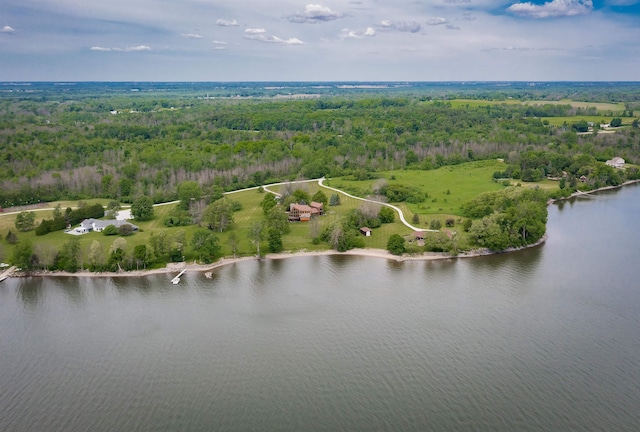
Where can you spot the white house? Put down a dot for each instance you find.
(97, 225)
(616, 162)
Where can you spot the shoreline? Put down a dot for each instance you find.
(222, 262)
(367, 253)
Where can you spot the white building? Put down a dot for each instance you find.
(616, 162)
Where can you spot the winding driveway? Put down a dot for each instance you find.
(320, 183)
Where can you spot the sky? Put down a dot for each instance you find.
(313, 40)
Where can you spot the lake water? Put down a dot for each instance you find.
(547, 339)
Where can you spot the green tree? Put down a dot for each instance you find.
(277, 218)
(125, 230)
(57, 211)
(96, 256)
(396, 244)
(118, 254)
(142, 256)
(233, 243)
(205, 244)
(22, 253)
(256, 234)
(189, 192)
(142, 208)
(268, 202)
(178, 244)
(218, 215)
(69, 256)
(616, 122)
(415, 219)
(110, 230)
(25, 221)
(487, 232)
(159, 242)
(275, 240)
(11, 237)
(334, 200)
(387, 215)
(320, 197)
(435, 224)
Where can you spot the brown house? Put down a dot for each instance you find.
(316, 208)
(299, 212)
(365, 231)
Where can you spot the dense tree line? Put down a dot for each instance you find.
(74, 149)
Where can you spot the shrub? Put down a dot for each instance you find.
(396, 244)
(110, 230)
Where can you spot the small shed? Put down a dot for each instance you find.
(418, 235)
(365, 231)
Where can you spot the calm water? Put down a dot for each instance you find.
(543, 340)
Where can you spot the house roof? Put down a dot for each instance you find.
(418, 234)
(301, 207)
(365, 229)
(316, 204)
(102, 224)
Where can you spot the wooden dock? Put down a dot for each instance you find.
(7, 273)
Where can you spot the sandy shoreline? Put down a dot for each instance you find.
(369, 253)
(204, 268)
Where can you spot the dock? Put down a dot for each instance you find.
(7, 273)
(176, 280)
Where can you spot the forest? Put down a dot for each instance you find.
(119, 146)
(194, 142)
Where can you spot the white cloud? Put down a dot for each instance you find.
(357, 34)
(191, 35)
(261, 35)
(227, 23)
(453, 27)
(401, 26)
(437, 21)
(552, 9)
(7, 29)
(314, 13)
(127, 49)
(219, 45)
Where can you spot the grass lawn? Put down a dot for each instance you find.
(600, 106)
(559, 121)
(456, 103)
(448, 187)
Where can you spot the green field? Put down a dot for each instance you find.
(559, 121)
(600, 106)
(299, 239)
(448, 187)
(456, 103)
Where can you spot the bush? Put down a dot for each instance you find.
(396, 244)
(110, 230)
(386, 215)
(435, 224)
(125, 230)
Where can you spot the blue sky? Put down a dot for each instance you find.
(285, 40)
